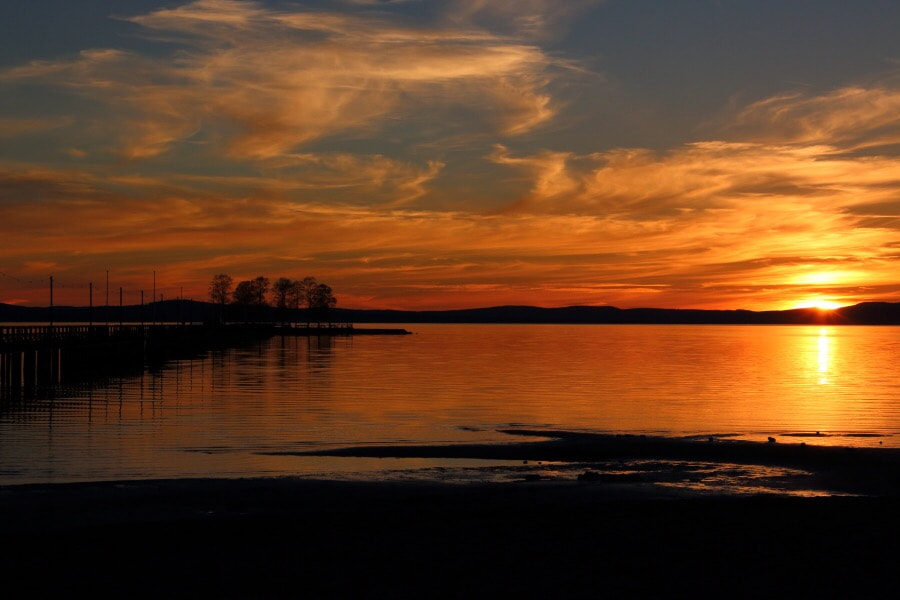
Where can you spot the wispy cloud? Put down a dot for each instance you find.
(853, 117)
(421, 159)
(784, 211)
(260, 83)
(534, 18)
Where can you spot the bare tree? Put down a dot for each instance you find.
(307, 290)
(261, 286)
(321, 301)
(306, 293)
(322, 298)
(220, 291)
(282, 290)
(295, 295)
(220, 288)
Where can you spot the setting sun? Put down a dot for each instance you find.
(534, 296)
(471, 154)
(820, 304)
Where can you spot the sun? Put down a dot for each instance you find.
(819, 303)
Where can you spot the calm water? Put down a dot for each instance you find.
(457, 383)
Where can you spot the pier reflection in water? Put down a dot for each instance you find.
(217, 412)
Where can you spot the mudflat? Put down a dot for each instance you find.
(529, 537)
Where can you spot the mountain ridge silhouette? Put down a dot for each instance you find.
(864, 313)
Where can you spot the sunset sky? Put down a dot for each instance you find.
(459, 153)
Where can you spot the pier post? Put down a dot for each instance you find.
(19, 369)
(29, 369)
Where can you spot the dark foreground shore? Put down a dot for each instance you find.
(290, 537)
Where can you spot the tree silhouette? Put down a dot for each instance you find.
(220, 291)
(306, 291)
(321, 300)
(322, 297)
(220, 288)
(282, 289)
(295, 295)
(252, 291)
(261, 285)
(317, 298)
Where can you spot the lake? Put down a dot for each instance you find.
(218, 415)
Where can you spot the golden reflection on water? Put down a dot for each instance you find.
(824, 355)
(220, 413)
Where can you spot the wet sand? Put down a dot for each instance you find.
(801, 466)
(291, 537)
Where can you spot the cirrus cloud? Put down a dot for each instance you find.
(259, 83)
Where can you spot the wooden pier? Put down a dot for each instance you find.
(335, 329)
(33, 356)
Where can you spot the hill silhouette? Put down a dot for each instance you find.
(866, 313)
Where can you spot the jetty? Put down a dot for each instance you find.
(34, 356)
(332, 329)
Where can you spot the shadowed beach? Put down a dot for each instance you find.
(653, 459)
(588, 536)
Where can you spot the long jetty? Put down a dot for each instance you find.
(33, 356)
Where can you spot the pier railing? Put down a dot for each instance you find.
(19, 336)
(34, 355)
(30, 337)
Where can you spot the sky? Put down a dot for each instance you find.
(420, 154)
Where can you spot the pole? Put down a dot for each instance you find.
(153, 298)
(142, 310)
(120, 307)
(107, 298)
(91, 304)
(51, 302)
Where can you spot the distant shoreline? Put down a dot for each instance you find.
(866, 313)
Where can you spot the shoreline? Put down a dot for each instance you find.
(284, 537)
(288, 537)
(656, 459)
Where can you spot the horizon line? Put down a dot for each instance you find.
(438, 310)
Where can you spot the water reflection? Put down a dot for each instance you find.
(824, 356)
(456, 383)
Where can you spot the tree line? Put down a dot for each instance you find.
(284, 293)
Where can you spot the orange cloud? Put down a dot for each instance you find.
(260, 83)
(717, 224)
(309, 142)
(854, 117)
